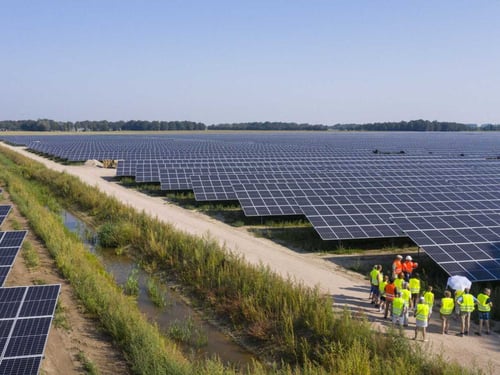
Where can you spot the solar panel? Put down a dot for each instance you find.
(10, 243)
(467, 245)
(25, 317)
(4, 212)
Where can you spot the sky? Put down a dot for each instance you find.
(305, 61)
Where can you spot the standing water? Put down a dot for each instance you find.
(177, 316)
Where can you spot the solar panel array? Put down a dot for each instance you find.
(26, 314)
(10, 243)
(348, 185)
(467, 245)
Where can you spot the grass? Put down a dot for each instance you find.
(131, 286)
(88, 366)
(60, 320)
(30, 255)
(157, 292)
(187, 332)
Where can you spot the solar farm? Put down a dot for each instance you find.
(26, 312)
(441, 190)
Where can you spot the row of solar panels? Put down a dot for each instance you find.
(26, 312)
(85, 147)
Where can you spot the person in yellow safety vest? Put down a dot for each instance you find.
(414, 288)
(466, 302)
(398, 310)
(374, 281)
(429, 299)
(447, 306)
(422, 316)
(406, 295)
(381, 288)
(458, 294)
(399, 281)
(484, 305)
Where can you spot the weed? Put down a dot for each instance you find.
(60, 320)
(131, 286)
(89, 367)
(187, 332)
(31, 258)
(16, 225)
(157, 292)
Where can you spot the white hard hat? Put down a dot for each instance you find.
(399, 256)
(408, 257)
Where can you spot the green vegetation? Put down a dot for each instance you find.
(187, 332)
(60, 320)
(16, 225)
(413, 125)
(157, 292)
(31, 258)
(131, 287)
(88, 366)
(288, 321)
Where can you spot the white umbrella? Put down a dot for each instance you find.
(459, 282)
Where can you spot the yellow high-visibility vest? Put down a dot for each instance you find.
(399, 283)
(447, 305)
(467, 304)
(429, 298)
(397, 306)
(422, 312)
(482, 305)
(374, 276)
(414, 286)
(381, 287)
(406, 296)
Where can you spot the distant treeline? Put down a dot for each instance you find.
(51, 125)
(267, 126)
(414, 125)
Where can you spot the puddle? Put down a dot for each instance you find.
(177, 312)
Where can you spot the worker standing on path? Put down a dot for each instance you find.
(447, 306)
(399, 281)
(406, 295)
(408, 267)
(397, 267)
(374, 281)
(390, 290)
(422, 318)
(429, 299)
(414, 288)
(458, 294)
(484, 305)
(466, 302)
(398, 310)
(381, 289)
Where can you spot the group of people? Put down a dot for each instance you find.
(398, 294)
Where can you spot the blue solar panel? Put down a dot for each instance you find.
(467, 245)
(25, 317)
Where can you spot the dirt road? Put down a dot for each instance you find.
(346, 288)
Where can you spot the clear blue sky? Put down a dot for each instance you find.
(235, 61)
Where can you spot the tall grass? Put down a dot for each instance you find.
(295, 325)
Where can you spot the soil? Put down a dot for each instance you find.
(328, 273)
